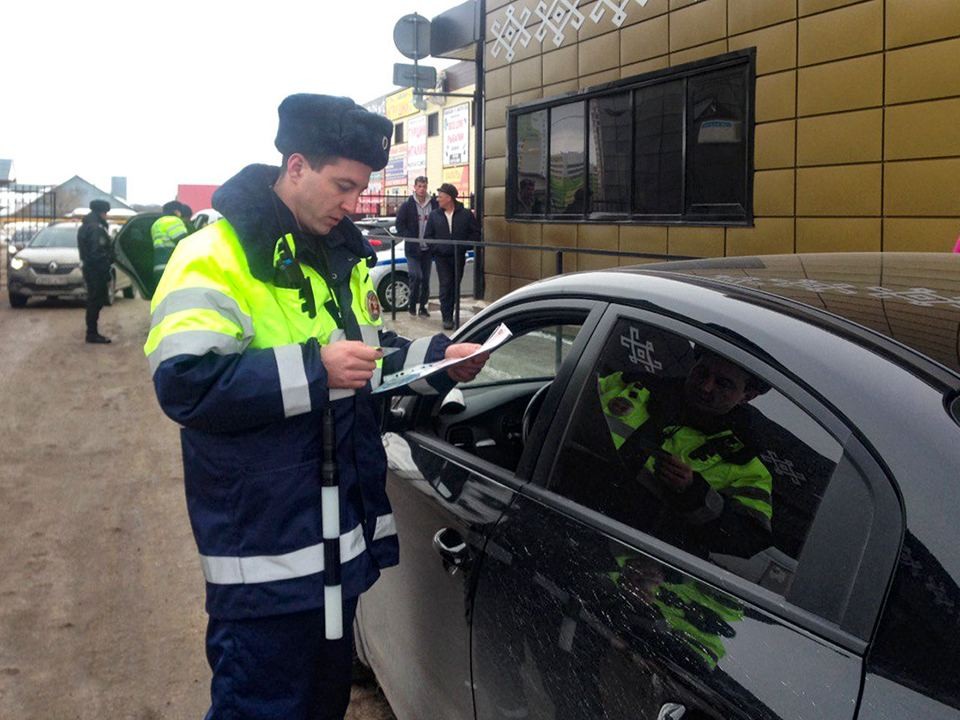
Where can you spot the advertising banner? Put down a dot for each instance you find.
(416, 146)
(456, 135)
(459, 177)
(395, 173)
(400, 104)
(369, 203)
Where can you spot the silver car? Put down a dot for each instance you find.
(49, 266)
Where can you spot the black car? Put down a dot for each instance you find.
(558, 561)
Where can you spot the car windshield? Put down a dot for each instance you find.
(56, 236)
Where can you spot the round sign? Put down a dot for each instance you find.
(411, 35)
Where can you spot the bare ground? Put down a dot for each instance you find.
(100, 593)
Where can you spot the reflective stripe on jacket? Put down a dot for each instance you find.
(236, 362)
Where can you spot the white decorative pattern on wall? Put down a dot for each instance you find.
(511, 31)
(556, 17)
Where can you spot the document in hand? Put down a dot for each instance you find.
(409, 375)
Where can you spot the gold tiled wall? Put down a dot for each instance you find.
(857, 142)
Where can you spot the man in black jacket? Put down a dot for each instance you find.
(93, 242)
(411, 224)
(451, 221)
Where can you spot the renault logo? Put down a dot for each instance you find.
(52, 267)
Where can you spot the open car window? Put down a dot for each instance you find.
(485, 417)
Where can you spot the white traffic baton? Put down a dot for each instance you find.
(330, 511)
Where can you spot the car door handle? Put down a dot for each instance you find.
(451, 546)
(672, 711)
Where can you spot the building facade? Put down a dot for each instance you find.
(717, 127)
(438, 142)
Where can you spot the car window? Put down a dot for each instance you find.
(486, 417)
(60, 236)
(685, 445)
(534, 354)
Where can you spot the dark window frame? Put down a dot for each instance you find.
(745, 58)
(398, 134)
(433, 124)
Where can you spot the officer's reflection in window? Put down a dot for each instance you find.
(689, 472)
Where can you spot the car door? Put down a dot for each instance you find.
(133, 252)
(601, 596)
(454, 466)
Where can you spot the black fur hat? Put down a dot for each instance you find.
(99, 206)
(328, 125)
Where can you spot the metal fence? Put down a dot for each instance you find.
(557, 251)
(24, 209)
(387, 205)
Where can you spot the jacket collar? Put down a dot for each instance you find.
(260, 219)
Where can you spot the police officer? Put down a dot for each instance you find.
(262, 323)
(93, 243)
(166, 232)
(690, 447)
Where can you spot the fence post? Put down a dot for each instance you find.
(559, 262)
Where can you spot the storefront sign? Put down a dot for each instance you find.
(400, 104)
(416, 132)
(456, 135)
(395, 173)
(459, 177)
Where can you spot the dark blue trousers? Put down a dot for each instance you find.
(418, 269)
(280, 667)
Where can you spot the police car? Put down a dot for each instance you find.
(391, 277)
(712, 489)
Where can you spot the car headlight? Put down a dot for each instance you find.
(18, 263)
(12, 250)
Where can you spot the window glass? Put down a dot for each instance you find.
(610, 127)
(485, 417)
(531, 163)
(687, 446)
(567, 189)
(658, 177)
(716, 142)
(433, 125)
(398, 134)
(671, 147)
(533, 355)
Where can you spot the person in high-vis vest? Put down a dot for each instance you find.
(688, 444)
(166, 232)
(265, 326)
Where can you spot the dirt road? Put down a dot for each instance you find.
(101, 594)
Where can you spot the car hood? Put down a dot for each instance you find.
(40, 255)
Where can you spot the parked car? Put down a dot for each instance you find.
(49, 266)
(557, 561)
(397, 284)
(19, 238)
(381, 230)
(204, 217)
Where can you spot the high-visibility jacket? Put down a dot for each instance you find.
(236, 361)
(167, 231)
(728, 466)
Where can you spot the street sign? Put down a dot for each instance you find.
(419, 77)
(411, 35)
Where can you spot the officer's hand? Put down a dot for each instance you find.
(349, 363)
(466, 371)
(671, 471)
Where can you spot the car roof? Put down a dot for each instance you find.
(912, 299)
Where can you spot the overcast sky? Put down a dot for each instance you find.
(174, 91)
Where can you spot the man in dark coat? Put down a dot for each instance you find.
(93, 242)
(451, 221)
(411, 223)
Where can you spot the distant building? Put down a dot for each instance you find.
(61, 200)
(118, 187)
(197, 197)
(7, 175)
